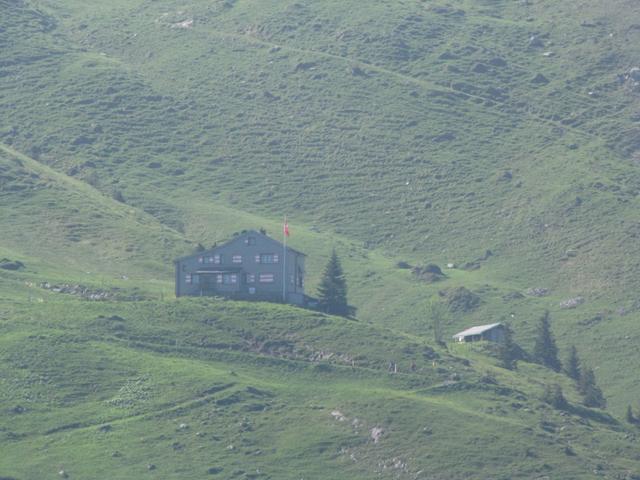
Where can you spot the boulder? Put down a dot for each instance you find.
(304, 66)
(535, 42)
(538, 292)
(7, 264)
(358, 72)
(572, 302)
(376, 434)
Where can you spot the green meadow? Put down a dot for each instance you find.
(500, 137)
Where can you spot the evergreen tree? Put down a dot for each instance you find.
(436, 312)
(545, 350)
(508, 350)
(591, 393)
(553, 396)
(332, 291)
(630, 417)
(572, 367)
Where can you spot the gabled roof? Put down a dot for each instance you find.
(253, 233)
(478, 330)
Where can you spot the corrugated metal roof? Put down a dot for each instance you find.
(478, 330)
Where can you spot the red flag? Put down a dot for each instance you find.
(286, 228)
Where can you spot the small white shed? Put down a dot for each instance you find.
(493, 332)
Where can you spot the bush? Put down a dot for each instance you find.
(118, 196)
(461, 300)
(429, 273)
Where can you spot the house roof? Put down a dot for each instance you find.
(246, 233)
(478, 330)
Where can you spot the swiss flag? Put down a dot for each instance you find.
(285, 229)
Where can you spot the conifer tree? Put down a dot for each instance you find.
(545, 350)
(508, 350)
(332, 291)
(436, 312)
(553, 396)
(630, 417)
(572, 367)
(591, 393)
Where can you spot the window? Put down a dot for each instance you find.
(195, 279)
(266, 278)
(250, 241)
(251, 278)
(267, 258)
(200, 259)
(252, 290)
(219, 278)
(213, 259)
(229, 278)
(187, 279)
(236, 259)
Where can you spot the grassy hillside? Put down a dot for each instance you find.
(502, 137)
(437, 140)
(190, 388)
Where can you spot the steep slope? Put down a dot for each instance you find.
(414, 131)
(72, 227)
(437, 133)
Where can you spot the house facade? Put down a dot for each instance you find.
(251, 266)
(493, 332)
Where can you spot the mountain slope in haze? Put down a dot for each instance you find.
(430, 118)
(433, 132)
(501, 137)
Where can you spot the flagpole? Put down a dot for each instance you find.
(284, 261)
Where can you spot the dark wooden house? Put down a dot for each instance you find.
(250, 266)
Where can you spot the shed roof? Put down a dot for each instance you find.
(478, 330)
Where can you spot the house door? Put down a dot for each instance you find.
(208, 284)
